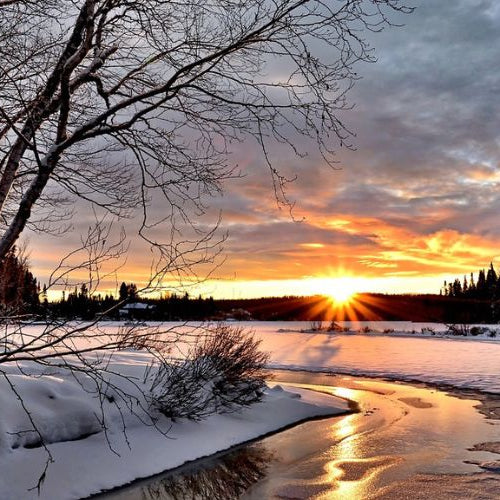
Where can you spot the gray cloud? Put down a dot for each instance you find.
(427, 117)
(427, 122)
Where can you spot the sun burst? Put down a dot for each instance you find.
(342, 290)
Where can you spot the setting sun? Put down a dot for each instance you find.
(341, 296)
(342, 290)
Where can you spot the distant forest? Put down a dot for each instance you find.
(487, 286)
(363, 307)
(369, 307)
(19, 290)
(463, 301)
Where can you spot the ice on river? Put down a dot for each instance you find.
(460, 362)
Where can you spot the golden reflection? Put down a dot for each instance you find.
(343, 392)
(355, 479)
(344, 471)
(344, 429)
(350, 474)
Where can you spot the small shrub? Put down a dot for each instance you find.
(222, 373)
(458, 329)
(316, 326)
(476, 330)
(335, 327)
(365, 329)
(428, 330)
(388, 330)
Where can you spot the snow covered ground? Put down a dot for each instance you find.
(87, 460)
(462, 362)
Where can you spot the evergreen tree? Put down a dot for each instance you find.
(45, 299)
(457, 288)
(84, 291)
(472, 286)
(123, 293)
(128, 292)
(481, 289)
(18, 286)
(491, 282)
(132, 292)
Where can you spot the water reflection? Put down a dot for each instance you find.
(400, 435)
(349, 474)
(227, 476)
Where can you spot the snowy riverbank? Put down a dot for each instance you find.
(86, 460)
(84, 463)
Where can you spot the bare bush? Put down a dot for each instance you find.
(461, 329)
(335, 327)
(365, 329)
(428, 330)
(222, 373)
(316, 326)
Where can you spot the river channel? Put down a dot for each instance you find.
(401, 441)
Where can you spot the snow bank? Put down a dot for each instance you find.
(67, 414)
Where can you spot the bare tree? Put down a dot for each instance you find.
(111, 100)
(128, 104)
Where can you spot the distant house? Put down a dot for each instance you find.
(238, 315)
(136, 310)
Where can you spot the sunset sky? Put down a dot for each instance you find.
(416, 202)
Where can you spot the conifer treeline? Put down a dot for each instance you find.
(19, 290)
(21, 294)
(81, 304)
(487, 286)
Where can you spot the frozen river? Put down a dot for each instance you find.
(403, 442)
(403, 354)
(460, 362)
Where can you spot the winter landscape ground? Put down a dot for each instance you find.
(87, 460)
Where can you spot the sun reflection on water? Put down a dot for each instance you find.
(350, 474)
